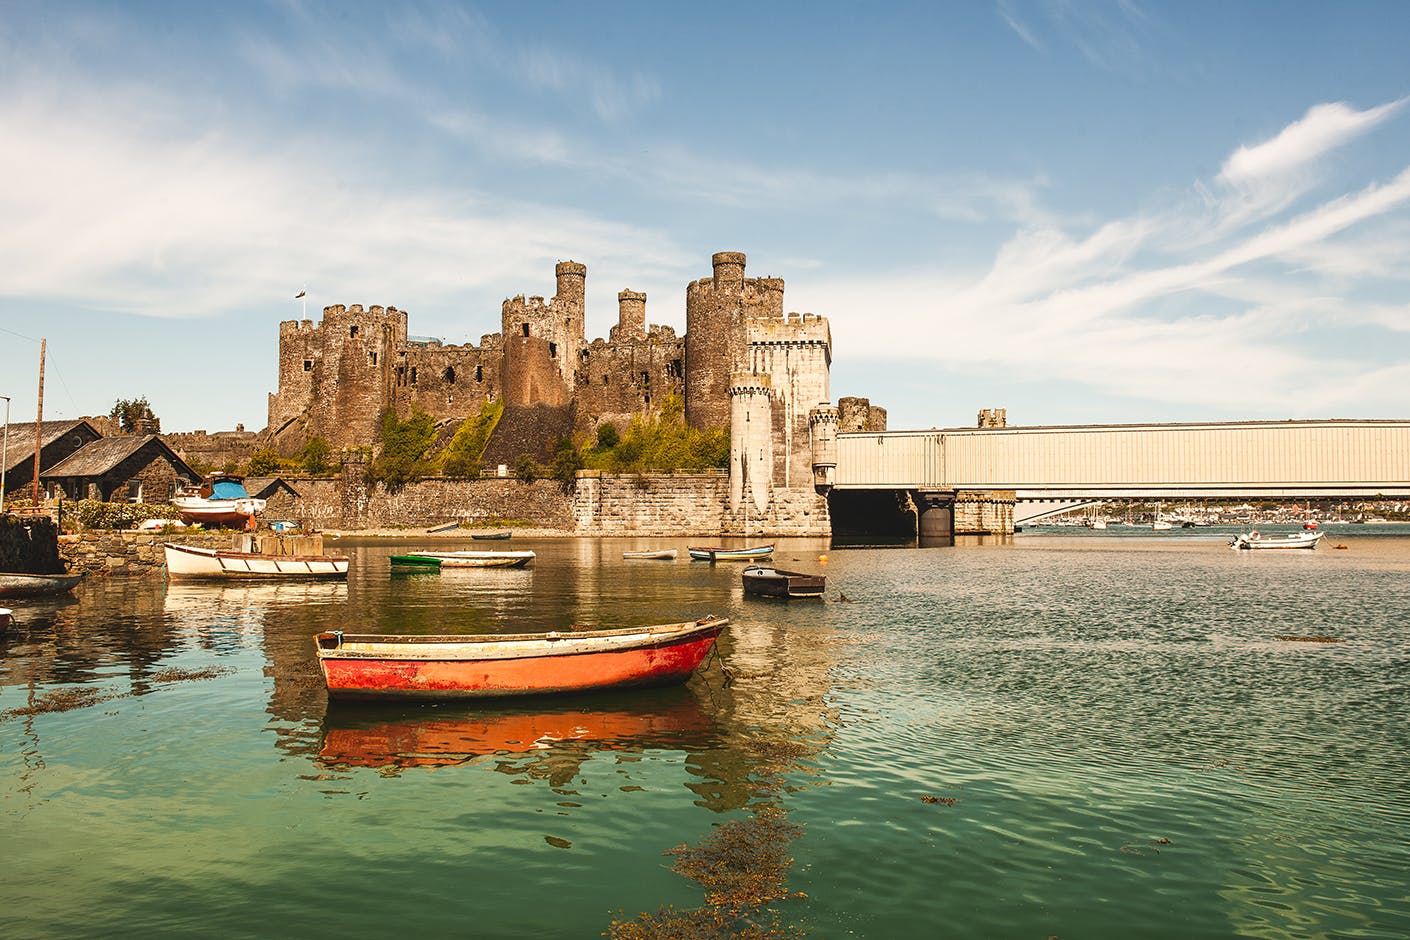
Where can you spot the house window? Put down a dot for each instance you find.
(308, 365)
(134, 491)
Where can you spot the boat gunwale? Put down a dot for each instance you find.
(402, 646)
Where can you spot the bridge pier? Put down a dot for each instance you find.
(935, 517)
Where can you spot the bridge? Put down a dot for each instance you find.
(1042, 470)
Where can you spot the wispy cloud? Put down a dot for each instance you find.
(1111, 36)
(1247, 304)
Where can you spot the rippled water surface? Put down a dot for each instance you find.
(1064, 735)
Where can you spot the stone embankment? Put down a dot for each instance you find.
(105, 553)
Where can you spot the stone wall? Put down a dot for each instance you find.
(676, 504)
(984, 512)
(28, 544)
(214, 450)
(325, 503)
(129, 554)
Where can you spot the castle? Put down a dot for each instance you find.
(743, 364)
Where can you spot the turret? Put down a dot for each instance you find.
(751, 442)
(572, 284)
(631, 315)
(729, 268)
(822, 425)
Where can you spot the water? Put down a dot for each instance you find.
(1067, 735)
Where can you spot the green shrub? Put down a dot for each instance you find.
(662, 442)
(463, 456)
(316, 456)
(404, 446)
(96, 514)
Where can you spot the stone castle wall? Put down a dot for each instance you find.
(326, 503)
(214, 449)
(688, 504)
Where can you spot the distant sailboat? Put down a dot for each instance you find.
(1160, 525)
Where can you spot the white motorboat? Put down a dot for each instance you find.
(221, 499)
(188, 561)
(1254, 541)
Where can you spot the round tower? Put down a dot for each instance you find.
(822, 427)
(729, 268)
(572, 284)
(631, 314)
(750, 443)
(715, 340)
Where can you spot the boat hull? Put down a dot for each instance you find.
(195, 510)
(185, 561)
(1300, 540)
(488, 559)
(665, 554)
(492, 536)
(382, 667)
(730, 554)
(771, 582)
(15, 584)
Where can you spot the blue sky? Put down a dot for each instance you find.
(1098, 212)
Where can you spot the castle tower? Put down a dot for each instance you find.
(572, 287)
(631, 315)
(716, 308)
(751, 443)
(543, 341)
(822, 423)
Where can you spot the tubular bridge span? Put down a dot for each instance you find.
(1067, 465)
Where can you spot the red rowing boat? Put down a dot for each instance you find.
(483, 666)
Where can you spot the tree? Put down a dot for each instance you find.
(316, 456)
(129, 413)
(263, 462)
(404, 445)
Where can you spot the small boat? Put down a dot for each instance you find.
(444, 528)
(1098, 523)
(485, 665)
(1253, 541)
(220, 499)
(767, 581)
(188, 561)
(466, 559)
(17, 584)
(7, 619)
(491, 536)
(1310, 525)
(730, 554)
(662, 553)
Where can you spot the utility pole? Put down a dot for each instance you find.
(4, 452)
(38, 420)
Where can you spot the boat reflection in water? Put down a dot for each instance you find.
(201, 597)
(429, 736)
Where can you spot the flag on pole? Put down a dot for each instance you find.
(298, 295)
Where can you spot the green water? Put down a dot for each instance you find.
(1071, 736)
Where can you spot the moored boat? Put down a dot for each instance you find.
(698, 553)
(491, 536)
(1255, 541)
(189, 561)
(487, 559)
(767, 581)
(485, 665)
(659, 553)
(20, 584)
(220, 499)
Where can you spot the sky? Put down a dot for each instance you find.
(1105, 212)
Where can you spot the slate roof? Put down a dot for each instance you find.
(20, 438)
(265, 487)
(101, 456)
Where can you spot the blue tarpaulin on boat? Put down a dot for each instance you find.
(228, 489)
